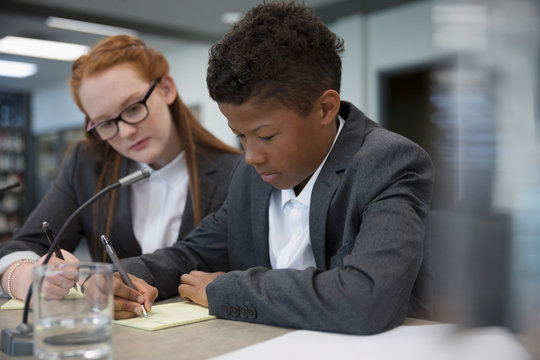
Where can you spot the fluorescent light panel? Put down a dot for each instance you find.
(17, 69)
(87, 27)
(42, 48)
(230, 17)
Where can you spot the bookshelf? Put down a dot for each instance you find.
(14, 160)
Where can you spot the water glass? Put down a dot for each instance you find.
(73, 309)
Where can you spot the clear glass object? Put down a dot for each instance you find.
(73, 309)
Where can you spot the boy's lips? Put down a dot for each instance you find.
(268, 176)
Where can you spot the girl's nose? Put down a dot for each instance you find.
(126, 130)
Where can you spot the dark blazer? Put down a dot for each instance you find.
(367, 222)
(76, 183)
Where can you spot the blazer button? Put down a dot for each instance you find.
(226, 309)
(252, 313)
(234, 310)
(243, 312)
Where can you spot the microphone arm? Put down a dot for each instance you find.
(125, 181)
(17, 342)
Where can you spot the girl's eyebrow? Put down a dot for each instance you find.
(130, 100)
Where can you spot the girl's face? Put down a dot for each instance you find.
(153, 141)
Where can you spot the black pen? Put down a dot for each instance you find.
(49, 234)
(119, 267)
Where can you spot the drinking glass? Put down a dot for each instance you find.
(73, 309)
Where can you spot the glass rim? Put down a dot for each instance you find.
(102, 266)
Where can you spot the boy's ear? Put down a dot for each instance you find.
(329, 106)
(168, 89)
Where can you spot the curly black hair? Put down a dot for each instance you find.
(279, 51)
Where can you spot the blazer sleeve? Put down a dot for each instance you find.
(205, 247)
(208, 252)
(383, 199)
(58, 204)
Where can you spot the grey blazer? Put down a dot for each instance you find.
(76, 183)
(367, 222)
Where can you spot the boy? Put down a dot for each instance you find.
(323, 227)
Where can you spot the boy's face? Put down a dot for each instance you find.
(284, 147)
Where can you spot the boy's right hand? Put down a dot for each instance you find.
(127, 302)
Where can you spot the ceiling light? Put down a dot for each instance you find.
(17, 69)
(42, 48)
(231, 17)
(87, 27)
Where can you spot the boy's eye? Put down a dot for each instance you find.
(266, 138)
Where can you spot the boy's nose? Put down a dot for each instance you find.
(252, 156)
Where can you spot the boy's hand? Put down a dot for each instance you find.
(193, 286)
(127, 302)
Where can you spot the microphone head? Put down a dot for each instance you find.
(145, 173)
(134, 177)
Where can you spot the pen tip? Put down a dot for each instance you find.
(144, 311)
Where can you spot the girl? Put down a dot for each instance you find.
(134, 118)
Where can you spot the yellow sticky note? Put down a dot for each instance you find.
(168, 315)
(12, 304)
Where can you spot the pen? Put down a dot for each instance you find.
(49, 234)
(119, 267)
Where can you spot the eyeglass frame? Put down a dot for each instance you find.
(117, 119)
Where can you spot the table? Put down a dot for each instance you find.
(194, 341)
(216, 337)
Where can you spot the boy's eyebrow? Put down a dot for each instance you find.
(250, 131)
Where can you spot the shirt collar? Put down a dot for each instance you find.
(305, 195)
(171, 173)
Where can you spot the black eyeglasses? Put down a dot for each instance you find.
(133, 114)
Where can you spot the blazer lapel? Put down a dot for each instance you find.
(259, 218)
(348, 143)
(207, 183)
(321, 196)
(122, 226)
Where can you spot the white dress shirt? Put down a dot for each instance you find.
(157, 205)
(288, 219)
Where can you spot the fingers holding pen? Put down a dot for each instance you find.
(148, 292)
(57, 284)
(127, 301)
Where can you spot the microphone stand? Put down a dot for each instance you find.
(20, 341)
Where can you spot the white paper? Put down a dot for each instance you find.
(414, 342)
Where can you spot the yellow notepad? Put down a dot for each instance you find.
(168, 315)
(12, 304)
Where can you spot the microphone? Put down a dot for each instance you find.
(10, 186)
(19, 341)
(134, 177)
